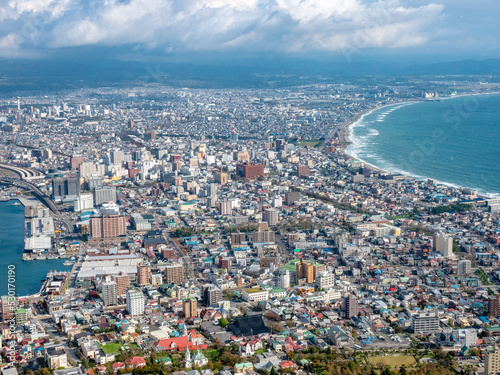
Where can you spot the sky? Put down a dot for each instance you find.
(443, 29)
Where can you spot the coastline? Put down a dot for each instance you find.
(349, 127)
(28, 274)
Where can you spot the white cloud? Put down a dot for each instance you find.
(251, 25)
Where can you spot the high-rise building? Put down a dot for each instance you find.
(427, 322)
(143, 275)
(292, 197)
(21, 316)
(350, 306)
(190, 308)
(83, 202)
(65, 188)
(211, 190)
(238, 238)
(491, 361)
(9, 304)
(443, 244)
(107, 226)
(221, 178)
(94, 183)
(117, 157)
(283, 280)
(494, 306)
(303, 171)
(212, 295)
(225, 262)
(325, 280)
(277, 202)
(304, 270)
(174, 273)
(104, 194)
(263, 236)
(75, 162)
(225, 207)
(270, 216)
(464, 267)
(249, 170)
(109, 293)
(122, 284)
(87, 169)
(135, 302)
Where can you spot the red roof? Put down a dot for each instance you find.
(286, 364)
(136, 361)
(178, 343)
(118, 365)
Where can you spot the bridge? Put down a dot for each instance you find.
(34, 189)
(23, 173)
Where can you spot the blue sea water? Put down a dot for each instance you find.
(28, 274)
(455, 141)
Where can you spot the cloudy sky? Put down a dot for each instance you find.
(455, 28)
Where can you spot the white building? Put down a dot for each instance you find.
(135, 302)
(425, 322)
(283, 280)
(325, 280)
(255, 295)
(83, 202)
(467, 337)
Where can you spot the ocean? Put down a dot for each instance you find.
(454, 141)
(28, 274)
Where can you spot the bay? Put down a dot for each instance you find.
(455, 140)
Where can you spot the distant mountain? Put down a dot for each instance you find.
(465, 67)
(57, 74)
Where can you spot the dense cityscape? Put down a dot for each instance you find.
(227, 231)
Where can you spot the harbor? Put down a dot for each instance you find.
(29, 275)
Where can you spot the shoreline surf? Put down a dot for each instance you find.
(353, 153)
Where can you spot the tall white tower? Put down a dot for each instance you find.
(187, 359)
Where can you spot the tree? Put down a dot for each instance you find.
(85, 363)
(223, 322)
(273, 372)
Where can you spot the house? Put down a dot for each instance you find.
(243, 367)
(118, 366)
(135, 362)
(287, 364)
(177, 344)
(248, 348)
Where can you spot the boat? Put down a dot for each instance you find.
(16, 204)
(68, 263)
